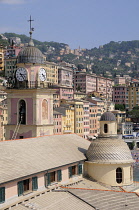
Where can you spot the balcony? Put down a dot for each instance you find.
(67, 131)
(27, 85)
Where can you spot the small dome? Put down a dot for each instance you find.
(109, 151)
(30, 54)
(108, 116)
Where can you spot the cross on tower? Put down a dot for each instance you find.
(31, 29)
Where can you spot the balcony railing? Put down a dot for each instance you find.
(27, 84)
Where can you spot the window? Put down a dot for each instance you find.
(118, 175)
(2, 194)
(72, 171)
(21, 137)
(34, 183)
(22, 112)
(23, 186)
(59, 175)
(50, 177)
(105, 128)
(80, 169)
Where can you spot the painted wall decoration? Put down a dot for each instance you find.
(45, 109)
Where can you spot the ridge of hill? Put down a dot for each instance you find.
(108, 60)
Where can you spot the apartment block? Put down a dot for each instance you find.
(1, 58)
(87, 83)
(86, 119)
(57, 118)
(119, 94)
(52, 72)
(93, 120)
(65, 76)
(10, 60)
(132, 95)
(67, 118)
(62, 92)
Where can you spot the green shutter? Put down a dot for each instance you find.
(2, 194)
(48, 179)
(20, 188)
(70, 171)
(34, 183)
(45, 180)
(80, 170)
(59, 175)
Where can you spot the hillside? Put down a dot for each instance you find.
(109, 60)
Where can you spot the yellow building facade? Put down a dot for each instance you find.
(52, 72)
(132, 96)
(1, 58)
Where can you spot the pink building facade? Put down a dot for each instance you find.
(119, 94)
(87, 83)
(65, 76)
(86, 119)
(62, 93)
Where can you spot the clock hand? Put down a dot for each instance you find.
(22, 75)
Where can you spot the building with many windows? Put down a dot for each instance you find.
(119, 94)
(39, 163)
(1, 58)
(132, 95)
(88, 83)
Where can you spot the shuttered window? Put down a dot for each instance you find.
(70, 171)
(2, 194)
(48, 179)
(20, 188)
(34, 183)
(59, 175)
(80, 169)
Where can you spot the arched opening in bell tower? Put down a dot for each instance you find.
(22, 112)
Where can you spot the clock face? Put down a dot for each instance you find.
(21, 74)
(42, 74)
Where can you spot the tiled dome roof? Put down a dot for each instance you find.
(109, 150)
(30, 54)
(108, 116)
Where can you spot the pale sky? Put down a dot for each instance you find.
(84, 23)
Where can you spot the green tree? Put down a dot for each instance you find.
(134, 114)
(120, 107)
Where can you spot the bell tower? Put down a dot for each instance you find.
(30, 101)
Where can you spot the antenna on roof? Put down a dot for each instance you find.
(31, 30)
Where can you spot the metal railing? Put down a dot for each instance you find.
(28, 85)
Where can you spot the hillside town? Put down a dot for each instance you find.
(78, 98)
(65, 134)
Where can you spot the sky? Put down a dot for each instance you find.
(84, 23)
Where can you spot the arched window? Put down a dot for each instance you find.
(105, 128)
(44, 109)
(118, 175)
(22, 112)
(131, 173)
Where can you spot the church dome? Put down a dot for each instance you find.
(107, 150)
(108, 116)
(30, 54)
